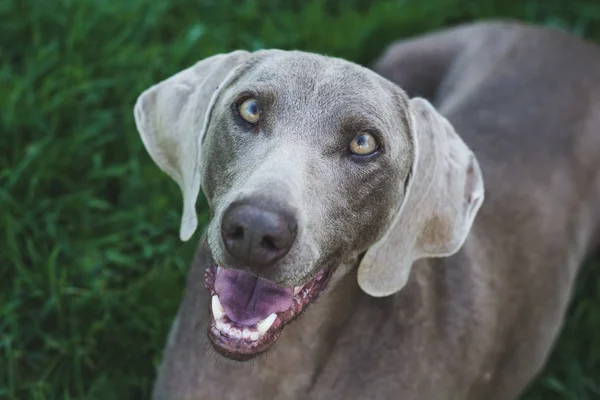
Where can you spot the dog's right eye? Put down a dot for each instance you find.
(363, 144)
(249, 110)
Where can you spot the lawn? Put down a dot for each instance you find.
(91, 267)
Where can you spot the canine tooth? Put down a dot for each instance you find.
(246, 334)
(254, 336)
(297, 289)
(217, 308)
(264, 325)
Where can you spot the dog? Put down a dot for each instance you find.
(426, 216)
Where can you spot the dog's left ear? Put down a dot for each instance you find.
(172, 117)
(443, 195)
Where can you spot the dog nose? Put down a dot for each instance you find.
(257, 236)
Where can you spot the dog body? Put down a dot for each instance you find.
(476, 324)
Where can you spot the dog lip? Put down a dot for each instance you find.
(242, 349)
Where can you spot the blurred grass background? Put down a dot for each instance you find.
(91, 268)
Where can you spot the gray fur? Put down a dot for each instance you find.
(477, 323)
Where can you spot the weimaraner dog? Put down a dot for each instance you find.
(330, 181)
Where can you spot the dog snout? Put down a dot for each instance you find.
(257, 235)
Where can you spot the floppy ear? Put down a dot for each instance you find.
(172, 117)
(442, 198)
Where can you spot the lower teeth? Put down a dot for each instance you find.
(230, 329)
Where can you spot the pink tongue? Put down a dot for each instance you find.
(247, 298)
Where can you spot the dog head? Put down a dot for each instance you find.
(307, 162)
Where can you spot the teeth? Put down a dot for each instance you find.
(217, 308)
(297, 289)
(238, 332)
(222, 326)
(235, 333)
(264, 325)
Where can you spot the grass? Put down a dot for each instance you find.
(91, 269)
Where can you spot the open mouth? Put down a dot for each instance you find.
(248, 313)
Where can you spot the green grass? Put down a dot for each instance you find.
(91, 268)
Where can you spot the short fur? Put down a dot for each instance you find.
(478, 323)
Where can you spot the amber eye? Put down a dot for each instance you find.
(363, 144)
(249, 110)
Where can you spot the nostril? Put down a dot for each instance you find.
(268, 243)
(235, 233)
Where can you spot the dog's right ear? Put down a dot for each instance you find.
(172, 117)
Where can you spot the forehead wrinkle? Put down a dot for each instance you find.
(290, 69)
(258, 89)
(355, 93)
(312, 76)
(309, 76)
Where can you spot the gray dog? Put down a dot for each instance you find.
(328, 180)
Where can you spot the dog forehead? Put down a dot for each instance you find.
(302, 75)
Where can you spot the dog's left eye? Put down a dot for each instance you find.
(250, 111)
(363, 144)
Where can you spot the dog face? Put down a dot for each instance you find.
(307, 162)
(302, 159)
